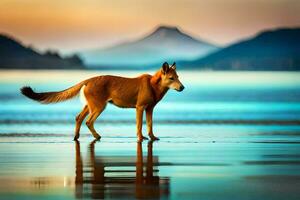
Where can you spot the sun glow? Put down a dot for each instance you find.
(72, 25)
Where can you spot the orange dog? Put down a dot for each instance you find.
(141, 93)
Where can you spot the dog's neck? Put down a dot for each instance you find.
(158, 89)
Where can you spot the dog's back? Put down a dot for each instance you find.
(121, 91)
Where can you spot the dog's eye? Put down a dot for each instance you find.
(171, 78)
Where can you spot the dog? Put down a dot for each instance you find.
(141, 93)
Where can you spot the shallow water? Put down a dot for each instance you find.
(228, 135)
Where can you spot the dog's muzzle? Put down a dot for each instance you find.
(181, 88)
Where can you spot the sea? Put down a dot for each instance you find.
(228, 135)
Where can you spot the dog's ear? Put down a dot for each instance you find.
(165, 68)
(174, 66)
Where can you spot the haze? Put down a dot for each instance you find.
(74, 25)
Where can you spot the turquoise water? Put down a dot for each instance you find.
(228, 135)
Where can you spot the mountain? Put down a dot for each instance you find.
(14, 55)
(165, 43)
(270, 50)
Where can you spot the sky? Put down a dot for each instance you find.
(72, 25)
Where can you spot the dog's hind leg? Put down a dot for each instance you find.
(94, 113)
(79, 119)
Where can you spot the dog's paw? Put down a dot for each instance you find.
(76, 138)
(140, 139)
(153, 138)
(97, 137)
(145, 138)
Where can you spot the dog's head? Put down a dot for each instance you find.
(169, 77)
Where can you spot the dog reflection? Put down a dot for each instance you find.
(96, 180)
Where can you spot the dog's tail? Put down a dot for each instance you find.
(53, 97)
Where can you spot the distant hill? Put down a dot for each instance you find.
(163, 44)
(14, 55)
(270, 50)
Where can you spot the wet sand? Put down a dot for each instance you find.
(238, 166)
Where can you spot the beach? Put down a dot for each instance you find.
(228, 135)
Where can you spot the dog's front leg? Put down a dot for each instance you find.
(139, 123)
(149, 114)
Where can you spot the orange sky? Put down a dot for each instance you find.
(71, 25)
